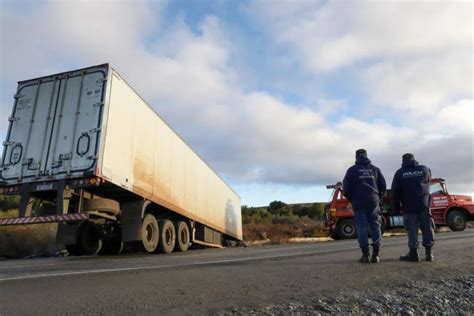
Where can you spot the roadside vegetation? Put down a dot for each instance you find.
(280, 222)
(21, 241)
(276, 223)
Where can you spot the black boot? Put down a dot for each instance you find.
(375, 255)
(412, 256)
(429, 254)
(365, 256)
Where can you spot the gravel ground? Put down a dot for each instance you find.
(440, 297)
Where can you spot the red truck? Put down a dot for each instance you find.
(447, 209)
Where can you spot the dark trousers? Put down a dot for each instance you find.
(424, 221)
(364, 219)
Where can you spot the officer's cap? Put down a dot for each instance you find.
(361, 153)
(408, 157)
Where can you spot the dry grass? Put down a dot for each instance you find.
(21, 241)
(282, 232)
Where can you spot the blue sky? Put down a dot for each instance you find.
(275, 95)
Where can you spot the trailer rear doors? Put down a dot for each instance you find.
(55, 125)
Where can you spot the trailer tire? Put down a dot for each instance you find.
(150, 234)
(73, 250)
(346, 229)
(182, 236)
(167, 236)
(457, 220)
(102, 205)
(89, 239)
(112, 246)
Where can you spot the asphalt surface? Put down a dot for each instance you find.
(215, 281)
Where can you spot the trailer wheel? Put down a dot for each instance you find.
(457, 220)
(111, 246)
(346, 229)
(182, 236)
(89, 239)
(73, 250)
(150, 233)
(167, 237)
(102, 205)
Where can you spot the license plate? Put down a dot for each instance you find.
(44, 187)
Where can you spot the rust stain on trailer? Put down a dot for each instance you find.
(142, 178)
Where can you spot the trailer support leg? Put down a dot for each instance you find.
(26, 201)
(63, 197)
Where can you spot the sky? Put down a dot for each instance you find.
(275, 95)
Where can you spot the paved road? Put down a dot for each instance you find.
(212, 280)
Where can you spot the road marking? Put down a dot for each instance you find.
(96, 271)
(146, 257)
(253, 253)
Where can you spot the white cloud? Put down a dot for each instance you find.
(337, 33)
(421, 86)
(457, 116)
(253, 136)
(414, 56)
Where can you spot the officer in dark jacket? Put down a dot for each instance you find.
(411, 191)
(363, 186)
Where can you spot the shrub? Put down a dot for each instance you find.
(9, 202)
(275, 206)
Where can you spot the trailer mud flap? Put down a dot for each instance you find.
(131, 220)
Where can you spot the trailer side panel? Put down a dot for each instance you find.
(144, 155)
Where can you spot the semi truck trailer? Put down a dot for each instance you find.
(110, 171)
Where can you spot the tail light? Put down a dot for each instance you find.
(87, 181)
(10, 190)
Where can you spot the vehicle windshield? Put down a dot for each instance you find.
(436, 188)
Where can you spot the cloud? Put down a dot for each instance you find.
(421, 85)
(413, 56)
(253, 136)
(458, 116)
(333, 34)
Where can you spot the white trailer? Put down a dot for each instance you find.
(116, 172)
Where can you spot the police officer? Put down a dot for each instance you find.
(363, 186)
(411, 191)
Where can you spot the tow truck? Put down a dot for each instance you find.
(447, 209)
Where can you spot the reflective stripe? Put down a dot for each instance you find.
(43, 219)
